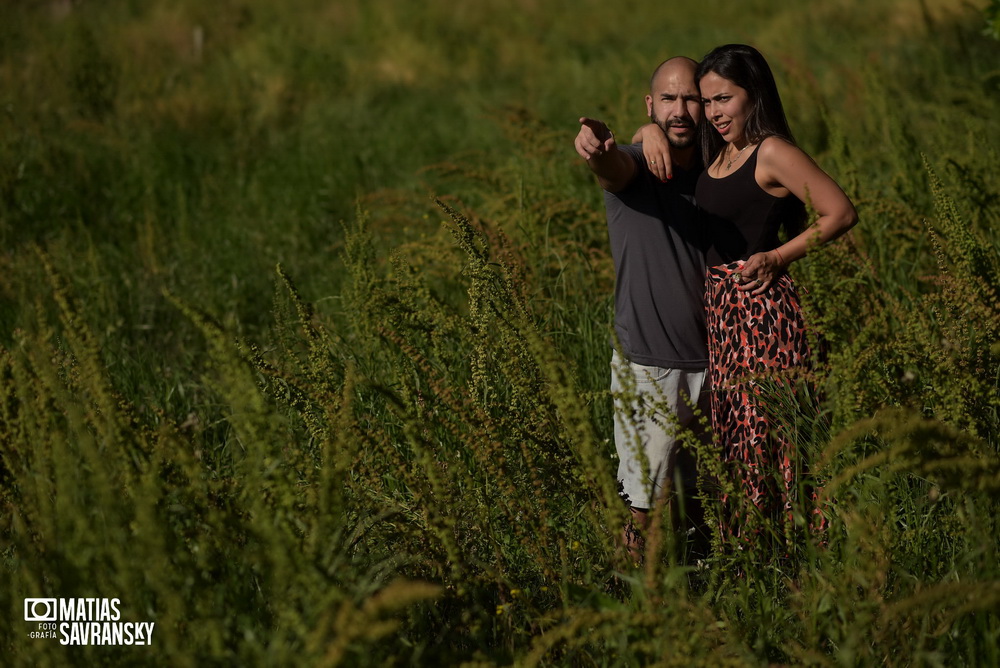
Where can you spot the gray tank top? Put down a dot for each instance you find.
(658, 247)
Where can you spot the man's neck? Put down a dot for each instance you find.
(683, 157)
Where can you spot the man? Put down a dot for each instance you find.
(659, 365)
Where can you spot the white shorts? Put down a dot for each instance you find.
(653, 405)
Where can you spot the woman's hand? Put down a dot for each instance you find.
(760, 271)
(656, 150)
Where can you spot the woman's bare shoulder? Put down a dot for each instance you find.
(777, 147)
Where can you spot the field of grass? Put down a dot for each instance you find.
(304, 319)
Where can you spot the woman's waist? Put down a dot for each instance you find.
(724, 271)
(730, 274)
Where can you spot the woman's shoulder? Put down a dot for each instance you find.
(777, 153)
(779, 162)
(775, 146)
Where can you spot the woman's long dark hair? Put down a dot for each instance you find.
(745, 67)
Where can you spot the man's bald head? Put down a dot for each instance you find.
(681, 65)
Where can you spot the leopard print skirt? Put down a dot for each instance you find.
(752, 338)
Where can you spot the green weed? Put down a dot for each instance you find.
(304, 338)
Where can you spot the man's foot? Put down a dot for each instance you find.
(632, 540)
(634, 543)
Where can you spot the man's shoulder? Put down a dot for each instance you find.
(683, 178)
(633, 150)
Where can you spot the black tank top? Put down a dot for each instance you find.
(741, 218)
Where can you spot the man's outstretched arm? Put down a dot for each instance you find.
(596, 144)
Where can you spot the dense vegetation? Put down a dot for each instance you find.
(304, 311)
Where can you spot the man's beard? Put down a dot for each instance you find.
(676, 142)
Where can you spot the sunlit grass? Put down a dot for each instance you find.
(259, 384)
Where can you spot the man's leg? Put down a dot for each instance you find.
(692, 511)
(632, 534)
(652, 406)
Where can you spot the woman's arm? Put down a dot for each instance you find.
(783, 169)
(656, 150)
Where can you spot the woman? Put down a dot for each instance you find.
(756, 181)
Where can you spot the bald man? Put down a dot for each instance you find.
(660, 355)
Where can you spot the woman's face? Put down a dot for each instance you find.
(726, 107)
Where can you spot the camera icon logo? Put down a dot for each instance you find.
(40, 610)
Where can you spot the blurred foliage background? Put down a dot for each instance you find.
(304, 311)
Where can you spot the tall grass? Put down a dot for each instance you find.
(305, 321)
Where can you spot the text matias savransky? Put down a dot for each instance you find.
(85, 621)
